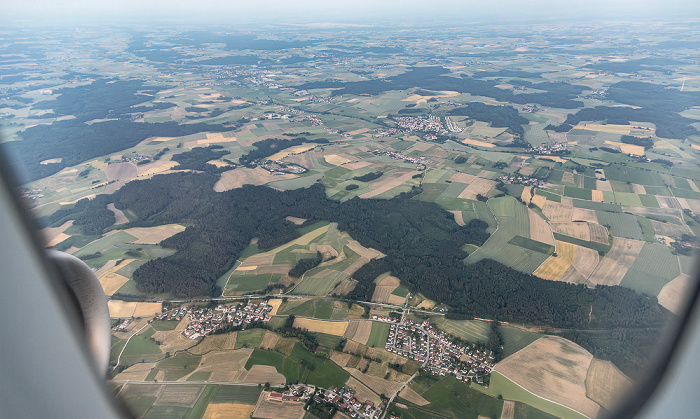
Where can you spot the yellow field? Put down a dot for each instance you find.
(147, 309)
(554, 267)
(218, 163)
(275, 303)
(553, 158)
(156, 167)
(478, 143)
(336, 328)
(226, 341)
(413, 397)
(247, 268)
(695, 146)
(261, 374)
(426, 304)
(627, 148)
(228, 411)
(111, 282)
(121, 309)
(539, 200)
(362, 331)
(236, 178)
(616, 262)
(386, 183)
(423, 99)
(674, 295)
(49, 161)
(226, 366)
(526, 196)
(294, 150)
(479, 186)
(154, 235)
(217, 137)
(611, 128)
(606, 384)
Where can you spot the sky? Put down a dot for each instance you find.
(354, 11)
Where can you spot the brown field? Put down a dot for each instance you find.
(668, 202)
(586, 260)
(236, 178)
(156, 167)
(228, 411)
(508, 411)
(179, 395)
(291, 151)
(335, 159)
(603, 185)
(365, 252)
(352, 329)
(413, 397)
(478, 143)
(598, 233)
(335, 328)
(121, 171)
(606, 385)
(554, 267)
(147, 309)
(384, 288)
(396, 300)
(118, 215)
(463, 178)
(174, 340)
(376, 384)
(121, 309)
(344, 287)
(578, 230)
(674, 295)
(136, 372)
(340, 358)
(615, 264)
(669, 229)
(269, 341)
(388, 182)
(459, 219)
(111, 282)
(222, 342)
(362, 392)
(285, 345)
(154, 235)
(295, 220)
(582, 214)
(539, 229)
(256, 260)
(361, 335)
(55, 235)
(426, 304)
(479, 186)
(355, 266)
(261, 374)
(273, 409)
(225, 365)
(639, 189)
(557, 213)
(568, 178)
(553, 368)
(275, 303)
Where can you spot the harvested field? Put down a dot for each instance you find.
(154, 235)
(121, 309)
(668, 202)
(376, 384)
(463, 178)
(526, 195)
(362, 392)
(669, 229)
(426, 304)
(236, 178)
(568, 177)
(557, 213)
(362, 332)
(269, 341)
(295, 220)
(111, 282)
(675, 295)
(478, 143)
(598, 233)
(539, 229)
(611, 128)
(555, 369)
(386, 183)
(156, 167)
(275, 303)
(539, 200)
(615, 264)
(228, 411)
(345, 286)
(274, 409)
(597, 195)
(292, 151)
(119, 216)
(606, 385)
(179, 395)
(335, 328)
(136, 372)
(578, 230)
(147, 309)
(603, 185)
(357, 165)
(174, 340)
(215, 137)
(365, 252)
(222, 342)
(627, 148)
(384, 288)
(582, 214)
(396, 299)
(121, 171)
(218, 163)
(554, 267)
(335, 159)
(479, 186)
(55, 235)
(226, 366)
(508, 411)
(459, 219)
(340, 358)
(261, 374)
(413, 397)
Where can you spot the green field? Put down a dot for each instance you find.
(470, 330)
(597, 206)
(647, 229)
(500, 385)
(199, 376)
(649, 201)
(320, 309)
(515, 339)
(236, 394)
(141, 347)
(316, 370)
(530, 244)
(591, 245)
(200, 406)
(179, 365)
(632, 174)
(243, 284)
(621, 225)
(550, 196)
(319, 286)
(654, 267)
(379, 334)
(451, 398)
(250, 338)
(164, 325)
(580, 193)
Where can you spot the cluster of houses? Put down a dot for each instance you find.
(387, 133)
(522, 180)
(428, 123)
(452, 126)
(548, 149)
(439, 355)
(121, 327)
(287, 109)
(639, 157)
(204, 321)
(279, 168)
(177, 313)
(315, 122)
(398, 156)
(343, 399)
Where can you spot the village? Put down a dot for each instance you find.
(548, 149)
(440, 356)
(279, 168)
(522, 180)
(419, 123)
(342, 399)
(398, 156)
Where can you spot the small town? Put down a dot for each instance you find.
(548, 149)
(440, 356)
(420, 123)
(279, 168)
(204, 321)
(342, 399)
(398, 156)
(522, 180)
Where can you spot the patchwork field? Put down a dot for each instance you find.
(555, 369)
(555, 266)
(236, 178)
(614, 265)
(359, 331)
